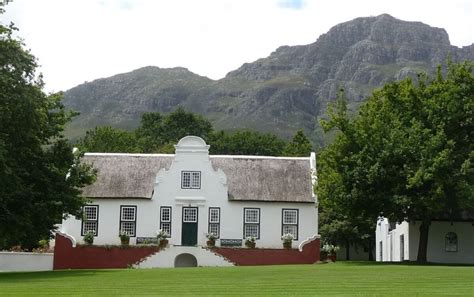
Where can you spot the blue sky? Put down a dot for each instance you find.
(82, 40)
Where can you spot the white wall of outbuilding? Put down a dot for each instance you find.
(388, 241)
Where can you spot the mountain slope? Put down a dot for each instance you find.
(280, 93)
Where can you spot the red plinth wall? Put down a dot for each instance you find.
(92, 257)
(244, 256)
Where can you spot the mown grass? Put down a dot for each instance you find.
(341, 279)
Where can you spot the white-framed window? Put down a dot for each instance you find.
(252, 222)
(90, 221)
(214, 220)
(190, 179)
(190, 215)
(128, 219)
(289, 222)
(165, 219)
(451, 242)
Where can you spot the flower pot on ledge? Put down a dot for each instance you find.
(125, 241)
(250, 245)
(163, 243)
(287, 245)
(211, 243)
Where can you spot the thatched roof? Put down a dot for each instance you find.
(266, 179)
(125, 175)
(249, 178)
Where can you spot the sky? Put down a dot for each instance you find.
(81, 40)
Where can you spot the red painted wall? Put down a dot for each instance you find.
(92, 257)
(245, 256)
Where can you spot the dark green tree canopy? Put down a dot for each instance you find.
(299, 146)
(246, 142)
(108, 139)
(40, 177)
(157, 132)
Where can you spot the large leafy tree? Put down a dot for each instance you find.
(40, 176)
(408, 154)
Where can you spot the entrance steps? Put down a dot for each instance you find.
(170, 257)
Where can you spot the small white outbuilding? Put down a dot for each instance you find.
(448, 241)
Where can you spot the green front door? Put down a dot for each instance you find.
(190, 226)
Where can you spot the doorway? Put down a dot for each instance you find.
(190, 226)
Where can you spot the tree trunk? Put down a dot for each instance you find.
(347, 249)
(370, 245)
(423, 244)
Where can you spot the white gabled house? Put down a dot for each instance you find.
(190, 194)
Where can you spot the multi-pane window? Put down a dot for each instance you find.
(252, 222)
(190, 215)
(190, 179)
(90, 220)
(214, 220)
(165, 219)
(451, 242)
(289, 221)
(128, 220)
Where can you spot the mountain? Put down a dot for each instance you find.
(280, 93)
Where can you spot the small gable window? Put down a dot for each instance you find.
(451, 242)
(190, 179)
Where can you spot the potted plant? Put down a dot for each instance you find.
(330, 250)
(124, 238)
(162, 236)
(211, 239)
(89, 237)
(287, 240)
(250, 242)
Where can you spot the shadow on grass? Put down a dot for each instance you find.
(51, 275)
(405, 263)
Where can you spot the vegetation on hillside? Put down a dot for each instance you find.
(158, 133)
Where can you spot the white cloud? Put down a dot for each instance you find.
(79, 41)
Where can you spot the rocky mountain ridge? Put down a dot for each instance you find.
(281, 93)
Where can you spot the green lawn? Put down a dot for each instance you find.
(342, 278)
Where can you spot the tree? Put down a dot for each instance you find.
(246, 142)
(108, 139)
(299, 146)
(40, 176)
(340, 224)
(157, 132)
(408, 154)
